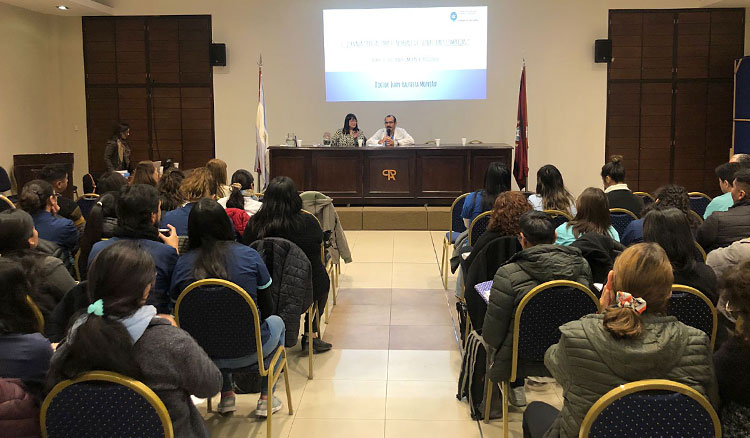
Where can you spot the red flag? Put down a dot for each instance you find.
(521, 163)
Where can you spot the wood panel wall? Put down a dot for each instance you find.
(669, 94)
(153, 73)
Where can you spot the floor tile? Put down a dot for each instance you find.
(434, 428)
(337, 428)
(414, 247)
(412, 337)
(343, 399)
(240, 424)
(416, 276)
(352, 365)
(366, 275)
(359, 337)
(364, 296)
(424, 365)
(361, 314)
(424, 400)
(420, 315)
(419, 297)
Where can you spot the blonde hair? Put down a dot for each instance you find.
(198, 185)
(644, 271)
(218, 169)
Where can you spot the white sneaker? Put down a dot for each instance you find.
(517, 397)
(262, 409)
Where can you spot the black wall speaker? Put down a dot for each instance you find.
(218, 55)
(602, 50)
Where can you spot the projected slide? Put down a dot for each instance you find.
(405, 54)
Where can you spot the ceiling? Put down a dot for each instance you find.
(77, 7)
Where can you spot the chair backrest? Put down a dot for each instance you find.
(558, 217)
(698, 202)
(540, 314)
(5, 203)
(701, 251)
(693, 308)
(89, 183)
(37, 314)
(478, 227)
(696, 217)
(651, 408)
(647, 198)
(222, 317)
(86, 203)
(457, 222)
(101, 403)
(621, 218)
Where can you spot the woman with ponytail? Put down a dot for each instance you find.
(241, 194)
(118, 332)
(214, 254)
(632, 339)
(618, 193)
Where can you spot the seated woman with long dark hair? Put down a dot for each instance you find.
(214, 254)
(39, 199)
(633, 339)
(282, 216)
(169, 189)
(146, 173)
(496, 181)
(120, 333)
(241, 194)
(101, 224)
(48, 278)
(671, 230)
(551, 193)
(592, 216)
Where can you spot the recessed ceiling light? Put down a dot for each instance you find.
(63, 7)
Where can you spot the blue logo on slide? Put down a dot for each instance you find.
(454, 16)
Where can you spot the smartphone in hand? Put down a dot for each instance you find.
(165, 231)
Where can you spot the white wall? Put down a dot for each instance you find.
(41, 86)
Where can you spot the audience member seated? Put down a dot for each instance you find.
(218, 169)
(137, 218)
(668, 196)
(632, 340)
(24, 352)
(592, 215)
(119, 332)
(198, 185)
(670, 229)
(551, 193)
(214, 254)
(48, 279)
(731, 360)
(57, 176)
(496, 180)
(40, 201)
(281, 216)
(241, 193)
(504, 220)
(618, 193)
(540, 261)
(169, 189)
(146, 173)
(725, 172)
(723, 228)
(110, 182)
(101, 225)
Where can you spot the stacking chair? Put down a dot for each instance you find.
(693, 308)
(331, 269)
(5, 203)
(103, 403)
(621, 218)
(698, 218)
(647, 198)
(701, 251)
(457, 227)
(37, 314)
(478, 227)
(651, 408)
(558, 217)
(536, 327)
(86, 203)
(224, 320)
(698, 202)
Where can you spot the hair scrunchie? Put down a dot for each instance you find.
(237, 186)
(97, 308)
(628, 301)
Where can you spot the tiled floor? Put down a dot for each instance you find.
(394, 367)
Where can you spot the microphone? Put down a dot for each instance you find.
(388, 132)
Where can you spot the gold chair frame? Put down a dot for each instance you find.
(3, 198)
(505, 386)
(696, 216)
(645, 195)
(701, 194)
(681, 288)
(37, 314)
(75, 264)
(107, 376)
(278, 357)
(554, 212)
(90, 195)
(462, 298)
(623, 211)
(447, 244)
(645, 385)
(331, 269)
(701, 250)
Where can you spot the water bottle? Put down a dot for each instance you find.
(291, 140)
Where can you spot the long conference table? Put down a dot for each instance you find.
(402, 175)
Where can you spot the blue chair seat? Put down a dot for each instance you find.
(452, 236)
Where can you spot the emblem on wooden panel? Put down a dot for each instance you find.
(390, 174)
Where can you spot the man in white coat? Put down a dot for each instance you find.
(390, 135)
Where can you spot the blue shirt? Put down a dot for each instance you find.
(56, 229)
(565, 234)
(719, 203)
(178, 218)
(472, 206)
(633, 233)
(165, 258)
(244, 266)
